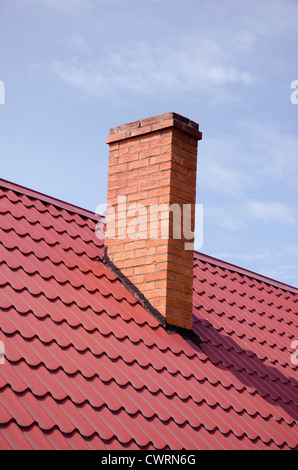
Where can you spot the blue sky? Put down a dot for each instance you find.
(74, 68)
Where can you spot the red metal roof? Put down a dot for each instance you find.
(86, 367)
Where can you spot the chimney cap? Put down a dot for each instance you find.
(154, 123)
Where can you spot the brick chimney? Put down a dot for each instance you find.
(152, 167)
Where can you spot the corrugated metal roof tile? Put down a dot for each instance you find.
(86, 367)
(15, 409)
(15, 437)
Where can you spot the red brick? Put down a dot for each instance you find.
(180, 169)
(150, 137)
(118, 169)
(182, 143)
(152, 200)
(138, 196)
(142, 130)
(146, 270)
(161, 284)
(184, 297)
(157, 258)
(112, 193)
(146, 170)
(163, 158)
(188, 180)
(137, 279)
(150, 153)
(161, 175)
(176, 268)
(140, 147)
(127, 158)
(154, 276)
(160, 303)
(139, 164)
(177, 312)
(162, 266)
(151, 120)
(166, 166)
(162, 125)
(185, 162)
(135, 245)
(119, 263)
(177, 321)
(164, 199)
(134, 262)
(161, 142)
(149, 185)
(139, 179)
(116, 184)
(127, 176)
(156, 293)
(128, 143)
(157, 192)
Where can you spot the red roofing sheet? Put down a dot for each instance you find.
(86, 367)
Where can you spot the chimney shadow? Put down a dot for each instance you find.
(273, 385)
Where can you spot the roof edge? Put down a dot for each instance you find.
(232, 267)
(50, 200)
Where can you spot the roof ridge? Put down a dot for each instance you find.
(247, 272)
(49, 199)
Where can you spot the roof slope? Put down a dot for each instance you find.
(86, 367)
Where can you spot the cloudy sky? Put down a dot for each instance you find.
(74, 68)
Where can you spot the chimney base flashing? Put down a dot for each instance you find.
(132, 289)
(141, 299)
(186, 333)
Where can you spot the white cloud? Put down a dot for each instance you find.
(290, 249)
(288, 273)
(260, 254)
(61, 5)
(76, 42)
(225, 180)
(223, 167)
(273, 264)
(271, 211)
(259, 156)
(273, 152)
(225, 217)
(146, 68)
